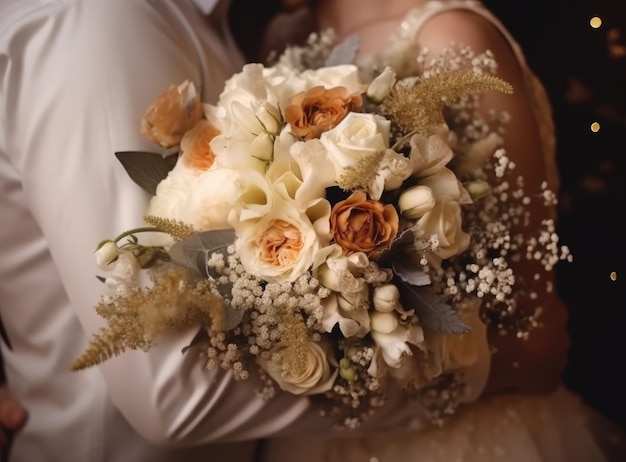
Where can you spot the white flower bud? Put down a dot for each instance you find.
(106, 253)
(385, 323)
(381, 86)
(329, 278)
(386, 298)
(270, 119)
(478, 189)
(416, 201)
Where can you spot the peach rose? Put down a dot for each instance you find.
(173, 113)
(196, 152)
(361, 225)
(317, 110)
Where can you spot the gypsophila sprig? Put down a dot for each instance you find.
(342, 233)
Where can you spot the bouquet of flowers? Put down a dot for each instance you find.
(325, 229)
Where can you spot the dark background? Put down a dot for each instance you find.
(584, 72)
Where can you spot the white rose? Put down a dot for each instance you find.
(416, 201)
(318, 173)
(172, 194)
(212, 199)
(345, 75)
(444, 221)
(444, 183)
(430, 154)
(307, 368)
(357, 136)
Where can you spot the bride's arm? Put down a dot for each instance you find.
(535, 364)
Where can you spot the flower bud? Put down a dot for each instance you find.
(416, 201)
(381, 86)
(329, 278)
(348, 374)
(478, 189)
(106, 253)
(386, 298)
(385, 323)
(270, 119)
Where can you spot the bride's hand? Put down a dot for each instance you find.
(534, 365)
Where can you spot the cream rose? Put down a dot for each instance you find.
(212, 199)
(444, 222)
(429, 154)
(358, 135)
(281, 245)
(306, 368)
(416, 201)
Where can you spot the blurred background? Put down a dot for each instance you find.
(578, 49)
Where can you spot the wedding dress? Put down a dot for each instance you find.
(557, 427)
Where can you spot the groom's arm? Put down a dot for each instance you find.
(75, 92)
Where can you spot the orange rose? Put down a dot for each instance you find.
(196, 146)
(317, 110)
(361, 225)
(173, 113)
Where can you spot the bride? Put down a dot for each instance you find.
(524, 414)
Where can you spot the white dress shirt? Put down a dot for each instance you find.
(75, 78)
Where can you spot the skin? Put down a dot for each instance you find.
(13, 417)
(537, 364)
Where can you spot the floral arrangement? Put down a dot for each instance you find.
(338, 234)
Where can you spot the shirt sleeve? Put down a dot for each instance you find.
(75, 78)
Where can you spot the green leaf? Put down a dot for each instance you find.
(345, 52)
(194, 251)
(432, 311)
(147, 169)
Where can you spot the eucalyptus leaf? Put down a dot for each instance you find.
(194, 251)
(345, 52)
(233, 318)
(433, 312)
(410, 273)
(147, 169)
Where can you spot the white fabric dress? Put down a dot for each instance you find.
(509, 428)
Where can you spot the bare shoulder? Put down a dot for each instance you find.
(464, 27)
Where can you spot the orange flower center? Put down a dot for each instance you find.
(281, 244)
